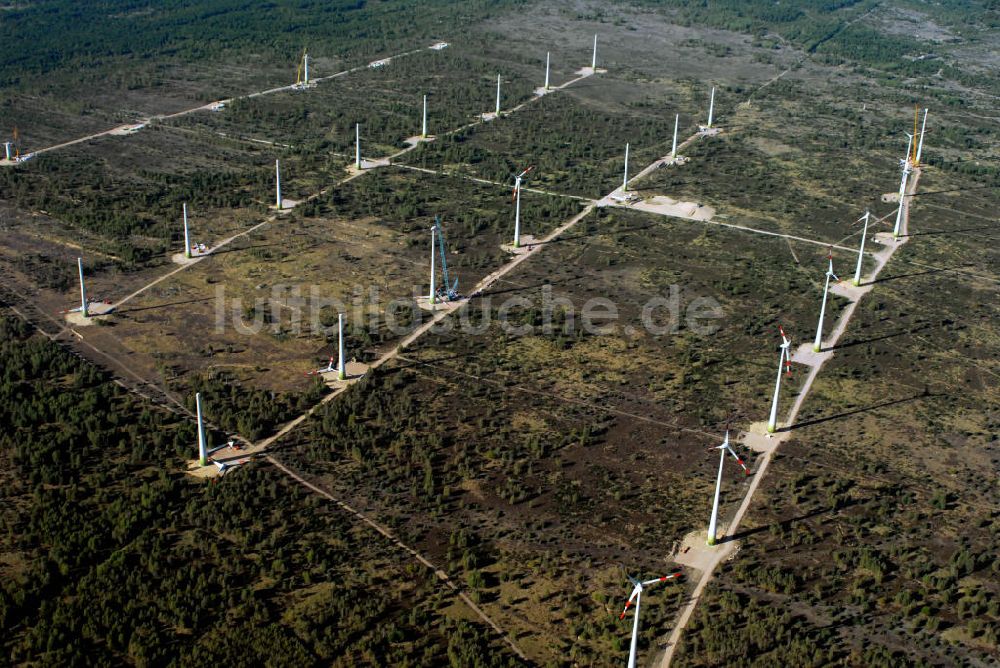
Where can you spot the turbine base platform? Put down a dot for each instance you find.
(367, 164)
(355, 371)
(196, 470)
(440, 304)
(489, 116)
(418, 139)
(757, 439)
(542, 90)
(181, 258)
(886, 239)
(94, 313)
(806, 356)
(528, 244)
(695, 553)
(708, 132)
(286, 205)
(849, 291)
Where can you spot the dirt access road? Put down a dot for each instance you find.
(708, 559)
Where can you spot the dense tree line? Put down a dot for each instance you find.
(111, 555)
(65, 35)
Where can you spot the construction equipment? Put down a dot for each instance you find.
(450, 290)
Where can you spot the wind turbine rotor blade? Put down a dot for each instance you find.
(739, 460)
(628, 603)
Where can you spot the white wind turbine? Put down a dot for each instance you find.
(920, 145)
(902, 196)
(517, 205)
(725, 447)
(861, 250)
(818, 343)
(498, 97)
(625, 177)
(784, 360)
(637, 590)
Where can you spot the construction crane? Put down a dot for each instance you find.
(449, 291)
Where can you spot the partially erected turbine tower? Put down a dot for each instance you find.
(83, 289)
(637, 595)
(711, 109)
(341, 369)
(187, 237)
(277, 184)
(818, 343)
(547, 60)
(423, 126)
(673, 150)
(625, 178)
(202, 447)
(593, 60)
(357, 145)
(725, 447)
(784, 360)
(302, 76)
(498, 97)
(432, 295)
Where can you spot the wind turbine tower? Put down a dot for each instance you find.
(625, 178)
(498, 96)
(718, 489)
(187, 238)
(305, 68)
(202, 449)
(547, 57)
(637, 590)
(593, 60)
(673, 151)
(861, 250)
(6, 148)
(711, 108)
(818, 343)
(432, 296)
(423, 130)
(902, 196)
(920, 144)
(83, 289)
(517, 205)
(784, 360)
(725, 447)
(277, 184)
(341, 369)
(357, 145)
